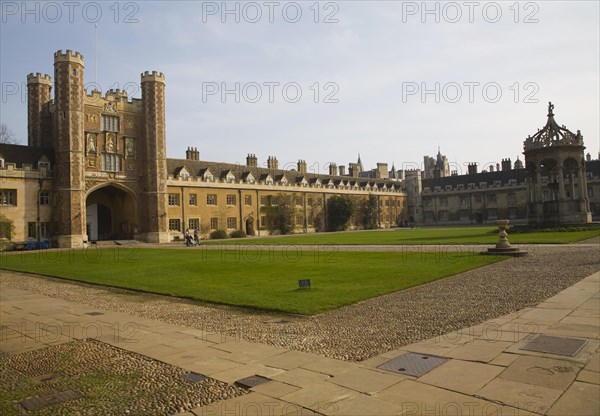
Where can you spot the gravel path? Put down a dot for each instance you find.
(112, 382)
(368, 328)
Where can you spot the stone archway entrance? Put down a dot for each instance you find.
(110, 214)
(250, 226)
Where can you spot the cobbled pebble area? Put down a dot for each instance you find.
(112, 381)
(363, 330)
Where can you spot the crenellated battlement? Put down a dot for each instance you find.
(39, 78)
(96, 94)
(95, 98)
(69, 56)
(153, 76)
(116, 93)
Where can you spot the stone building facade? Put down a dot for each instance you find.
(557, 185)
(95, 168)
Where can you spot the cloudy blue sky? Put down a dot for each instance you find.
(324, 81)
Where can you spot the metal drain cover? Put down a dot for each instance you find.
(413, 364)
(194, 377)
(35, 403)
(252, 381)
(555, 345)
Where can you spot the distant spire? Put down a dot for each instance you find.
(360, 165)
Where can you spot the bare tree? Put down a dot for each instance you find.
(6, 135)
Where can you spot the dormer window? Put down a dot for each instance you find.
(208, 176)
(184, 175)
(229, 177)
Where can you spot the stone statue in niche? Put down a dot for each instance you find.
(91, 143)
(129, 147)
(110, 143)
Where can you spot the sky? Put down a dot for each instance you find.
(326, 81)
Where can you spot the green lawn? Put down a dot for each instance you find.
(448, 235)
(259, 279)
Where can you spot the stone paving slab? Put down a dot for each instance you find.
(473, 376)
(520, 395)
(580, 399)
(330, 366)
(359, 406)
(320, 396)
(275, 389)
(238, 373)
(366, 380)
(300, 377)
(416, 398)
(542, 371)
(479, 350)
(290, 360)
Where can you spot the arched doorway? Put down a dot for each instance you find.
(110, 214)
(250, 226)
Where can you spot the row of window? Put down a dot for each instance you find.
(194, 223)
(464, 215)
(478, 199)
(265, 200)
(32, 230)
(8, 197)
(211, 199)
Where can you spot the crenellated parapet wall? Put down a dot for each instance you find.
(39, 78)
(153, 76)
(68, 56)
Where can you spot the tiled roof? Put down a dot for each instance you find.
(19, 154)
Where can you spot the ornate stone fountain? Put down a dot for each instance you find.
(503, 247)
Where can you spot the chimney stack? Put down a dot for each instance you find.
(332, 169)
(251, 160)
(272, 163)
(301, 166)
(472, 168)
(192, 153)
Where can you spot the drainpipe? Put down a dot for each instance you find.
(258, 224)
(241, 212)
(183, 223)
(39, 224)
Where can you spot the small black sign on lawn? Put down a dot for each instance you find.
(304, 283)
